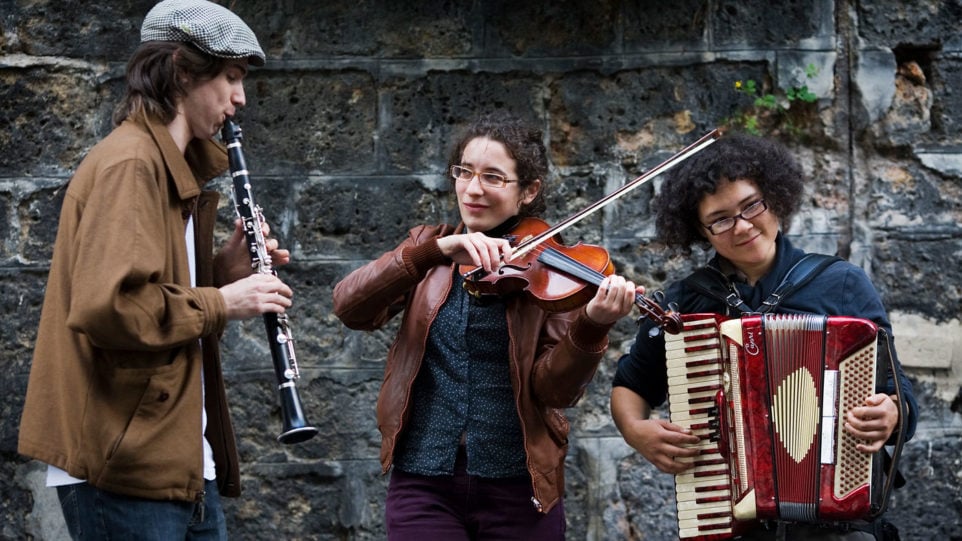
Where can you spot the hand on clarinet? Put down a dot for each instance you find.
(247, 293)
(256, 294)
(233, 261)
(873, 422)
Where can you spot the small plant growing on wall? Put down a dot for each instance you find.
(773, 112)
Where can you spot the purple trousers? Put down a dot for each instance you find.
(465, 507)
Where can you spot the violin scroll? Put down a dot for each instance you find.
(669, 320)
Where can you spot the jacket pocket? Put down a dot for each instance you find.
(558, 426)
(136, 420)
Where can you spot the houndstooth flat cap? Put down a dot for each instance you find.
(214, 29)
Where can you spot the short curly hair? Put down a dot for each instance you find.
(734, 157)
(525, 145)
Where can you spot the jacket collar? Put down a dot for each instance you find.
(202, 160)
(786, 255)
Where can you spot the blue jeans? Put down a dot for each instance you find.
(92, 513)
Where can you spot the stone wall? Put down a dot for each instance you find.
(346, 133)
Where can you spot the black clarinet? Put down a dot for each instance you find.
(295, 428)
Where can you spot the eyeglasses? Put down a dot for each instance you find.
(751, 211)
(491, 180)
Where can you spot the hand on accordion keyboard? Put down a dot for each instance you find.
(874, 422)
(667, 446)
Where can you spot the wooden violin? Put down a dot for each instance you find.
(558, 277)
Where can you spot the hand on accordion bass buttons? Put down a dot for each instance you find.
(873, 422)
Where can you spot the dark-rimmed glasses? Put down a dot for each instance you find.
(751, 211)
(491, 180)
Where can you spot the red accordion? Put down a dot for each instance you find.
(768, 395)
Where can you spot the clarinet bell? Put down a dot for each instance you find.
(296, 429)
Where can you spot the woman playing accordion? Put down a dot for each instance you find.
(738, 196)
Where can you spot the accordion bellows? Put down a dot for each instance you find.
(768, 396)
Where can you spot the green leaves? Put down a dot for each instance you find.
(769, 109)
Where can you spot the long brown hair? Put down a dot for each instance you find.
(160, 73)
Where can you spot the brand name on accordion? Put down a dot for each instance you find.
(751, 347)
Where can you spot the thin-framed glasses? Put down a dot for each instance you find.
(751, 211)
(491, 180)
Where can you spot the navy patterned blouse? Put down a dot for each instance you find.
(463, 394)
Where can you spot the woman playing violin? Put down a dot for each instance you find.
(471, 407)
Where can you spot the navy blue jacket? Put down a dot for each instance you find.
(842, 289)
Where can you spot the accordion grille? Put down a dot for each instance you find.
(857, 374)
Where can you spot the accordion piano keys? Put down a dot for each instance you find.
(766, 395)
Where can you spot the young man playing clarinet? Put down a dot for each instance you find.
(738, 196)
(126, 400)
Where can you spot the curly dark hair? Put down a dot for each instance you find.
(524, 144)
(733, 157)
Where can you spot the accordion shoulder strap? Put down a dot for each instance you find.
(801, 273)
(712, 283)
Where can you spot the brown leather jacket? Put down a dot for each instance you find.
(114, 395)
(553, 355)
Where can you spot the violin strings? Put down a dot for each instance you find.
(587, 273)
(558, 259)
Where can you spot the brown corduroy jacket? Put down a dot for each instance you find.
(114, 395)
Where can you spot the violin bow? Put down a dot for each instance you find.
(685, 153)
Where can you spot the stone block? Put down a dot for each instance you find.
(59, 116)
(758, 24)
(32, 510)
(38, 214)
(645, 507)
(361, 218)
(874, 77)
(631, 115)
(892, 23)
(678, 26)
(8, 201)
(339, 403)
(565, 28)
(21, 298)
(919, 274)
(365, 28)
(312, 500)
(793, 72)
(923, 343)
(422, 115)
(103, 31)
(314, 122)
(947, 161)
(945, 77)
(929, 505)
